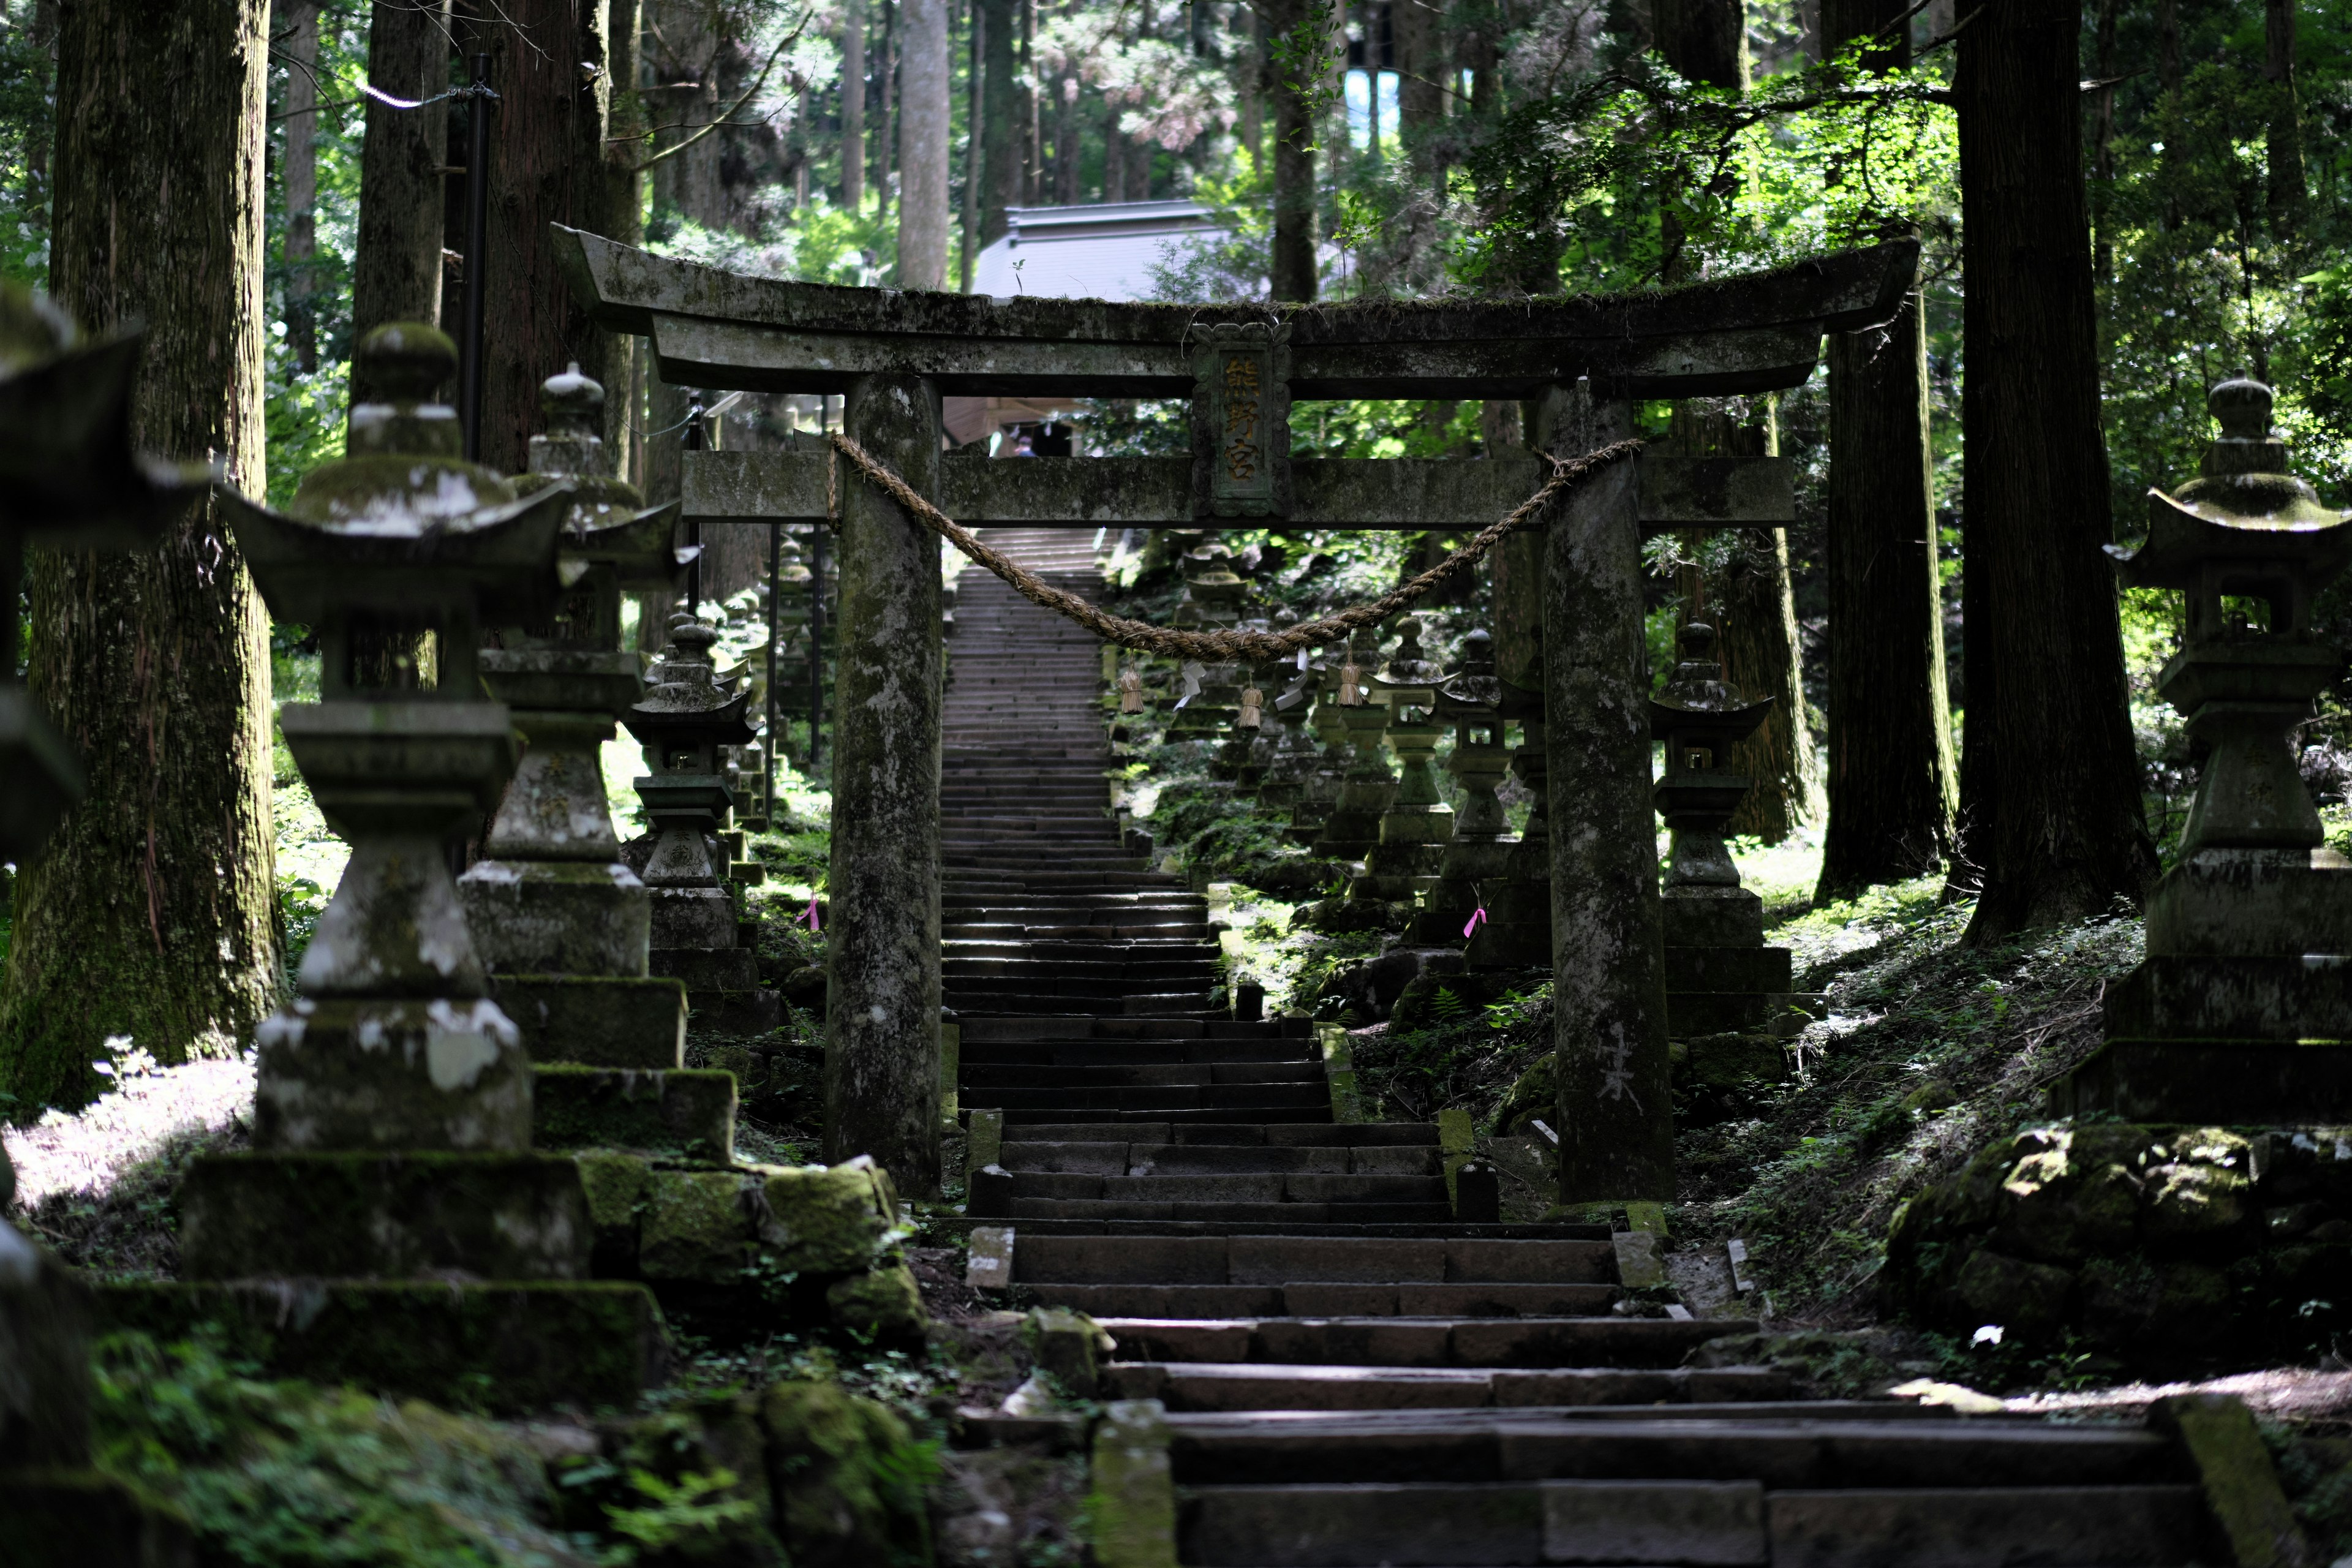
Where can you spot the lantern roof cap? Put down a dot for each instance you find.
(1699, 702)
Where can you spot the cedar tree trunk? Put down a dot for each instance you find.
(547, 165)
(853, 104)
(1294, 159)
(396, 265)
(302, 166)
(151, 913)
(999, 126)
(2060, 833)
(923, 146)
(1893, 785)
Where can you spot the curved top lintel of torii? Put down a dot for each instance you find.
(1756, 332)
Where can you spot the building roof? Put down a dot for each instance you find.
(1105, 251)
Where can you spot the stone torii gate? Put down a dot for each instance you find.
(1579, 364)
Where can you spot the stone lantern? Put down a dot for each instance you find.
(685, 720)
(1366, 787)
(2241, 1010)
(1477, 853)
(1282, 789)
(1416, 822)
(1721, 980)
(1212, 599)
(1319, 782)
(393, 1120)
(69, 479)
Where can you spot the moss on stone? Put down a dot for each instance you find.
(848, 1477)
(2241, 1486)
(884, 1304)
(597, 1020)
(615, 1183)
(687, 1114)
(695, 1226)
(826, 1219)
(1131, 1507)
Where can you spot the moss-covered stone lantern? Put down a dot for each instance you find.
(1416, 821)
(393, 1165)
(2243, 1009)
(1477, 853)
(1366, 786)
(685, 720)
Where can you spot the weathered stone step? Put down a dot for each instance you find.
(1189, 1004)
(1142, 1075)
(1055, 1028)
(1173, 1097)
(1372, 1138)
(1111, 1158)
(1392, 1341)
(1131, 1053)
(1489, 1299)
(1245, 1386)
(1443, 1523)
(1199, 969)
(1266, 1114)
(1260, 1188)
(1306, 1258)
(1274, 1213)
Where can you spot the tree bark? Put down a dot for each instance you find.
(151, 913)
(1893, 785)
(625, 202)
(886, 81)
(999, 126)
(923, 146)
(547, 165)
(2063, 833)
(1762, 655)
(1421, 58)
(1294, 161)
(302, 174)
(852, 104)
(1704, 40)
(976, 96)
(396, 263)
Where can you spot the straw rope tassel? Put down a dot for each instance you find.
(1143, 637)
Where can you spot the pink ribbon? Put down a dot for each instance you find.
(812, 913)
(1475, 920)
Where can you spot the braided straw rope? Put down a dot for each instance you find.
(1567, 473)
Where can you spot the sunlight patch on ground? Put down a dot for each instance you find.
(86, 1152)
(307, 849)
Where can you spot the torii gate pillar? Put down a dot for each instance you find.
(1609, 1002)
(882, 962)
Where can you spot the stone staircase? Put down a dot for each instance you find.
(1350, 1376)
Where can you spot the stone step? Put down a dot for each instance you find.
(1266, 1114)
(1197, 968)
(1172, 1096)
(1142, 1075)
(1055, 1027)
(1130, 1053)
(1489, 1299)
(1452, 1523)
(1389, 1340)
(1274, 1213)
(1029, 1003)
(1239, 1386)
(1215, 1138)
(1261, 1188)
(1110, 1157)
(1309, 1258)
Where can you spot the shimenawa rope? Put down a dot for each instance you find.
(1567, 473)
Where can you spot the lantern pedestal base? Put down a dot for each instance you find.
(597, 1020)
(385, 1075)
(2224, 901)
(2285, 999)
(557, 917)
(507, 1347)
(686, 1115)
(370, 1216)
(2227, 1083)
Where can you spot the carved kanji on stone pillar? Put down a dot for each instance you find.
(1240, 421)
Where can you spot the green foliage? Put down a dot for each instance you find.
(1467, 1057)
(697, 1517)
(292, 1474)
(26, 127)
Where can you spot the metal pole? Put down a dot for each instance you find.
(692, 442)
(816, 635)
(775, 593)
(477, 206)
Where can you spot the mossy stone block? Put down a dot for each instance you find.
(1067, 1345)
(884, 1304)
(339, 1074)
(848, 1477)
(1132, 1505)
(1730, 1061)
(557, 917)
(607, 1021)
(687, 1114)
(615, 1183)
(58, 1518)
(2242, 1488)
(362, 1215)
(827, 1219)
(505, 1348)
(696, 1226)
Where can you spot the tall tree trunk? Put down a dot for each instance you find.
(2286, 177)
(1704, 40)
(852, 104)
(976, 96)
(923, 146)
(1421, 63)
(1253, 91)
(151, 912)
(547, 165)
(301, 172)
(396, 263)
(1000, 111)
(2103, 144)
(1067, 157)
(1294, 156)
(1893, 785)
(2062, 833)
(625, 203)
(1032, 154)
(1760, 653)
(886, 81)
